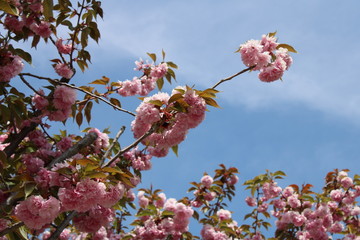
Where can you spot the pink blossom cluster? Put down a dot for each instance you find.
(173, 125)
(145, 84)
(87, 194)
(35, 160)
(63, 99)
(30, 17)
(37, 212)
(153, 227)
(204, 192)
(63, 70)
(102, 142)
(266, 56)
(208, 232)
(63, 48)
(65, 235)
(92, 220)
(139, 160)
(10, 66)
(317, 220)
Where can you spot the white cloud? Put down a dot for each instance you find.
(201, 39)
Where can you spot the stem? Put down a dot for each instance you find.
(81, 90)
(12, 228)
(62, 226)
(86, 141)
(231, 77)
(77, 29)
(29, 86)
(112, 145)
(148, 133)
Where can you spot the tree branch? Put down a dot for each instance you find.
(10, 229)
(112, 145)
(86, 141)
(62, 226)
(148, 133)
(81, 90)
(231, 77)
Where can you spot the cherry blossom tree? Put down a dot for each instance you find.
(83, 185)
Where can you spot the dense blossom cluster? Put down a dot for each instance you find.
(266, 56)
(62, 101)
(173, 223)
(298, 212)
(146, 83)
(10, 66)
(173, 125)
(36, 212)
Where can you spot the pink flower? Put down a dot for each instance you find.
(252, 54)
(63, 48)
(269, 43)
(112, 195)
(161, 201)
(273, 72)
(13, 23)
(263, 207)
(63, 70)
(39, 101)
(10, 66)
(159, 71)
(223, 214)
(94, 219)
(143, 201)
(102, 141)
(86, 195)
(250, 201)
(207, 181)
(36, 212)
(293, 201)
(346, 182)
(337, 195)
(64, 97)
(232, 180)
(43, 29)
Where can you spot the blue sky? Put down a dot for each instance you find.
(305, 125)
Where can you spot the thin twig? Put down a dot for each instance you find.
(231, 77)
(86, 141)
(118, 135)
(10, 229)
(81, 90)
(29, 86)
(77, 30)
(62, 226)
(148, 133)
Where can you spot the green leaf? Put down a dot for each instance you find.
(87, 112)
(211, 102)
(6, 7)
(48, 6)
(288, 47)
(175, 150)
(79, 118)
(152, 56)
(115, 101)
(175, 97)
(29, 188)
(172, 65)
(160, 83)
(97, 175)
(24, 55)
(167, 213)
(272, 34)
(163, 54)
(156, 102)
